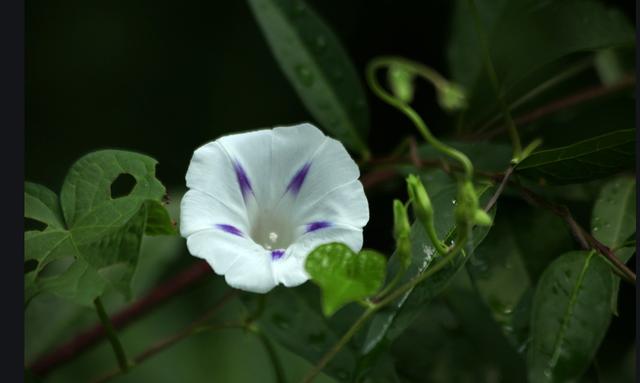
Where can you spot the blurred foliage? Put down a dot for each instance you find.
(162, 78)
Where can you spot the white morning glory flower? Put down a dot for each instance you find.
(259, 202)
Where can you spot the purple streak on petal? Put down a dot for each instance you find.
(277, 254)
(230, 229)
(298, 179)
(313, 226)
(243, 180)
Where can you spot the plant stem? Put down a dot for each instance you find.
(500, 189)
(338, 346)
(278, 370)
(377, 306)
(541, 88)
(586, 240)
(198, 325)
(118, 350)
(163, 345)
(381, 62)
(488, 62)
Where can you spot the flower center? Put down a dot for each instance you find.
(272, 231)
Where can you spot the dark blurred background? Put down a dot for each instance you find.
(163, 78)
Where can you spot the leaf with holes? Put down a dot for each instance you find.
(587, 160)
(614, 220)
(158, 220)
(343, 275)
(316, 64)
(91, 239)
(393, 320)
(570, 317)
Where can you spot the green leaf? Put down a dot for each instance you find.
(518, 48)
(594, 158)
(92, 240)
(614, 220)
(456, 340)
(499, 273)
(317, 66)
(305, 331)
(393, 320)
(158, 220)
(570, 317)
(614, 213)
(42, 204)
(485, 156)
(343, 275)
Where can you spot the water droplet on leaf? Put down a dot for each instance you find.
(304, 75)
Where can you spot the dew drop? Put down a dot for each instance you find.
(454, 202)
(342, 375)
(596, 228)
(304, 75)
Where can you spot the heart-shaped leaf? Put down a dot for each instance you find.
(343, 275)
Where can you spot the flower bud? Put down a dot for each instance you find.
(401, 231)
(401, 82)
(401, 226)
(468, 211)
(422, 208)
(451, 97)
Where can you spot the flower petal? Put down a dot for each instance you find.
(252, 273)
(290, 269)
(293, 149)
(251, 156)
(212, 172)
(328, 168)
(201, 211)
(244, 264)
(346, 205)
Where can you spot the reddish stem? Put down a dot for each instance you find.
(68, 351)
